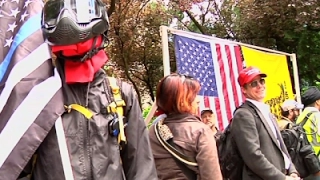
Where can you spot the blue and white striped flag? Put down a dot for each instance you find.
(31, 99)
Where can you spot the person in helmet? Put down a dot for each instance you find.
(76, 31)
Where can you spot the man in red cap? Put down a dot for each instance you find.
(256, 134)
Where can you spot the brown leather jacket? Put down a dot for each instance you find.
(194, 139)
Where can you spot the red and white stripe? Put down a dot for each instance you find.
(227, 60)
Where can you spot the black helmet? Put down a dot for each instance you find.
(66, 22)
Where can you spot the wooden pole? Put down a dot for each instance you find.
(293, 59)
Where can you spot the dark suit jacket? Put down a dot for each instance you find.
(258, 146)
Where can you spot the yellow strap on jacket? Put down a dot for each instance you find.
(117, 107)
(114, 107)
(86, 112)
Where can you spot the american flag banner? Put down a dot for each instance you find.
(216, 64)
(30, 88)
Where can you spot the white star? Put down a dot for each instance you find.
(14, 12)
(17, 1)
(23, 16)
(12, 26)
(27, 3)
(8, 42)
(2, 2)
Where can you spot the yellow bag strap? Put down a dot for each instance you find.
(86, 112)
(117, 107)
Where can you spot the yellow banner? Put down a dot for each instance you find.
(278, 83)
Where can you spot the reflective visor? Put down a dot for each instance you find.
(82, 11)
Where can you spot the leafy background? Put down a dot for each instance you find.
(134, 46)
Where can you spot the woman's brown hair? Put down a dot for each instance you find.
(176, 93)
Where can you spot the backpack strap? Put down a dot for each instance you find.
(288, 125)
(165, 137)
(305, 119)
(191, 175)
(116, 107)
(84, 111)
(250, 107)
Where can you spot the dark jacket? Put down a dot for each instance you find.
(258, 146)
(93, 152)
(194, 139)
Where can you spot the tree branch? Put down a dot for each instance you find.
(184, 24)
(112, 7)
(222, 18)
(198, 25)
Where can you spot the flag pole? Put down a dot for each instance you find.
(165, 50)
(293, 60)
(151, 113)
(166, 66)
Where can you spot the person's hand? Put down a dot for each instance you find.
(293, 176)
(290, 178)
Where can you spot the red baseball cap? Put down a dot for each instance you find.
(248, 74)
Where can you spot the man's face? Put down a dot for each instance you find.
(255, 90)
(293, 114)
(209, 118)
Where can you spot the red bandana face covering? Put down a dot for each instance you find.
(81, 72)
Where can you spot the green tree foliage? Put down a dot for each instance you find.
(145, 113)
(291, 26)
(135, 43)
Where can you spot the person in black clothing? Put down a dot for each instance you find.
(77, 32)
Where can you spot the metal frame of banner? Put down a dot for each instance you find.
(166, 59)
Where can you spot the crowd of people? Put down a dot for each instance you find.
(180, 144)
(255, 130)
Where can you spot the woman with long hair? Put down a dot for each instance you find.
(182, 145)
